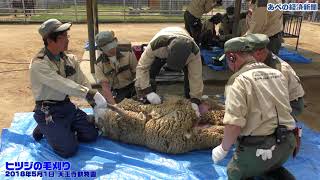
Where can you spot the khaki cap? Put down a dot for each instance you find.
(106, 40)
(51, 26)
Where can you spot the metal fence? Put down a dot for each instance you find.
(109, 10)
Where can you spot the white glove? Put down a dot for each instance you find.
(218, 154)
(265, 153)
(195, 107)
(100, 101)
(154, 98)
(98, 113)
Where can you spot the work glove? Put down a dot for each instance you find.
(265, 153)
(153, 98)
(218, 154)
(99, 100)
(195, 107)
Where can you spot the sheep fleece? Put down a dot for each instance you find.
(168, 127)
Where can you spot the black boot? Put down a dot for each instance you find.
(279, 174)
(37, 135)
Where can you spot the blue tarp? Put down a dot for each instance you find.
(285, 54)
(115, 160)
(293, 56)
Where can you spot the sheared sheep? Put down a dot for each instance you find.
(171, 127)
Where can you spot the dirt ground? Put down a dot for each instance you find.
(19, 43)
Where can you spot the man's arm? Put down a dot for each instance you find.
(231, 132)
(297, 107)
(106, 92)
(133, 62)
(195, 76)
(234, 118)
(143, 68)
(295, 88)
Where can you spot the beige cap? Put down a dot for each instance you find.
(106, 40)
(51, 26)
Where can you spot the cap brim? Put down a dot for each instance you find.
(63, 27)
(109, 46)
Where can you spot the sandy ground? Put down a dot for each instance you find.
(19, 43)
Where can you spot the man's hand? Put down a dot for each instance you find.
(203, 108)
(153, 98)
(218, 153)
(195, 107)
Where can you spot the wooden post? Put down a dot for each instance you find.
(95, 16)
(237, 9)
(76, 10)
(91, 35)
(24, 11)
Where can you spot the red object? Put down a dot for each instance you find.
(138, 50)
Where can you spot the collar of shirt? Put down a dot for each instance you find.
(53, 57)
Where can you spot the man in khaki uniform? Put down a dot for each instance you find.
(226, 26)
(266, 22)
(115, 70)
(257, 115)
(262, 54)
(193, 14)
(208, 36)
(55, 75)
(176, 48)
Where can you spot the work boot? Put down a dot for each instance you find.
(279, 174)
(37, 135)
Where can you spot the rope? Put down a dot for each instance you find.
(5, 62)
(14, 70)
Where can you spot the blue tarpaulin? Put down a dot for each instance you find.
(114, 160)
(285, 54)
(293, 56)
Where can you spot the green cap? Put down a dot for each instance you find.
(51, 26)
(258, 41)
(238, 44)
(106, 40)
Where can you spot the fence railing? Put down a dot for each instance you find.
(109, 10)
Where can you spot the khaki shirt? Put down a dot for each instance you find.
(193, 63)
(207, 26)
(117, 77)
(226, 27)
(263, 21)
(199, 7)
(294, 85)
(256, 99)
(49, 80)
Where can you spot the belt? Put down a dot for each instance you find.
(256, 140)
(279, 34)
(52, 102)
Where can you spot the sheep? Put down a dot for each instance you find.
(171, 127)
